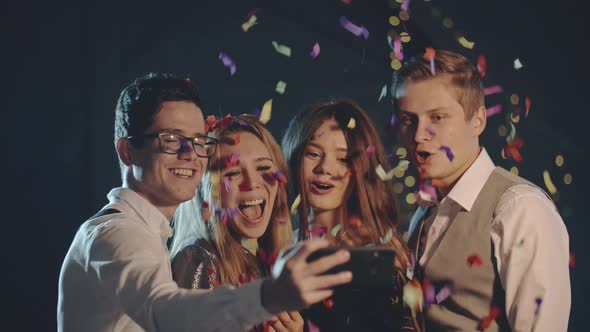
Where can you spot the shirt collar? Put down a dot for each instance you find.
(472, 181)
(153, 218)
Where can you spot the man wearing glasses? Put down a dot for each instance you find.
(116, 275)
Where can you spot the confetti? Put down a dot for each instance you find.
(394, 20)
(214, 184)
(572, 260)
(281, 87)
(413, 296)
(232, 160)
(315, 51)
(311, 327)
(427, 194)
(429, 56)
(209, 122)
(387, 237)
(382, 175)
(237, 138)
(282, 49)
(474, 259)
(224, 219)
(370, 150)
(351, 123)
(548, 183)
(486, 321)
(482, 66)
(207, 213)
(429, 293)
(448, 151)
(443, 294)
(397, 49)
(405, 37)
(266, 111)
(250, 23)
(354, 29)
(465, 43)
(431, 131)
(227, 183)
(538, 302)
(348, 172)
(517, 64)
(491, 111)
(510, 137)
(328, 303)
(317, 230)
(244, 186)
(228, 62)
(335, 230)
(295, 204)
(527, 103)
(492, 90)
(511, 149)
(279, 176)
(405, 5)
(383, 93)
(354, 222)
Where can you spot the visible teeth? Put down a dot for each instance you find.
(182, 171)
(252, 202)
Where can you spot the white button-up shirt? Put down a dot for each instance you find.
(116, 276)
(531, 246)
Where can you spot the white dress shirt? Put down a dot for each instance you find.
(531, 246)
(116, 276)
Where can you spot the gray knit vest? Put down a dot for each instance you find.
(474, 288)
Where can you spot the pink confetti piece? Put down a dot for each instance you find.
(405, 5)
(227, 183)
(492, 90)
(370, 150)
(315, 51)
(431, 131)
(228, 62)
(354, 29)
(443, 294)
(224, 219)
(491, 111)
(311, 327)
(397, 48)
(244, 186)
(432, 71)
(428, 291)
(448, 151)
(482, 66)
(232, 160)
(527, 103)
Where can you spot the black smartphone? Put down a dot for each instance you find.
(372, 267)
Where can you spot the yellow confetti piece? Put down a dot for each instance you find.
(514, 99)
(514, 117)
(404, 16)
(351, 123)
(517, 64)
(396, 64)
(410, 181)
(248, 24)
(465, 43)
(393, 20)
(399, 172)
(514, 170)
(567, 179)
(503, 154)
(401, 152)
(282, 49)
(214, 178)
(281, 86)
(559, 160)
(405, 37)
(403, 164)
(548, 183)
(266, 110)
(411, 198)
(295, 205)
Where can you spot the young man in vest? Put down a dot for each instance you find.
(116, 275)
(496, 240)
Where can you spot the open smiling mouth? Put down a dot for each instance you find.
(184, 173)
(321, 188)
(252, 210)
(422, 156)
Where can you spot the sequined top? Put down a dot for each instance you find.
(195, 266)
(365, 311)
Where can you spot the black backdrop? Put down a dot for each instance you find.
(65, 64)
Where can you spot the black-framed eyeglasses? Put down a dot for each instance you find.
(171, 143)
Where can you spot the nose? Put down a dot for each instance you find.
(325, 166)
(422, 133)
(252, 180)
(187, 152)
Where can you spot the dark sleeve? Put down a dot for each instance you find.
(195, 267)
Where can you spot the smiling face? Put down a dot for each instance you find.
(166, 180)
(432, 121)
(325, 168)
(247, 184)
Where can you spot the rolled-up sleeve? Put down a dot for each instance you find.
(531, 246)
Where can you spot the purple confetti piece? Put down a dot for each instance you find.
(227, 184)
(429, 295)
(224, 219)
(392, 120)
(234, 158)
(315, 51)
(448, 151)
(405, 5)
(241, 122)
(232, 212)
(432, 71)
(217, 211)
(492, 90)
(443, 294)
(493, 110)
(370, 150)
(431, 131)
(429, 190)
(228, 62)
(538, 301)
(354, 29)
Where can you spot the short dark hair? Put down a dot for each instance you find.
(142, 99)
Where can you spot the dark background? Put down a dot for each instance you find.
(66, 62)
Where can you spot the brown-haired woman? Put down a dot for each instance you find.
(239, 220)
(332, 149)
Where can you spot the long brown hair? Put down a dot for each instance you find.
(234, 260)
(372, 200)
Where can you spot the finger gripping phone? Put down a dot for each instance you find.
(372, 267)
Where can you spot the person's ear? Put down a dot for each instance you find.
(124, 150)
(478, 121)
